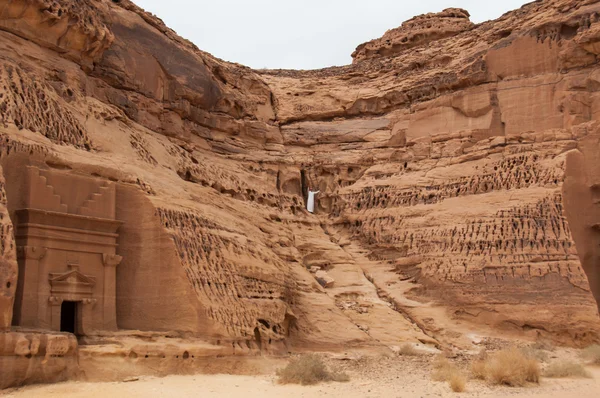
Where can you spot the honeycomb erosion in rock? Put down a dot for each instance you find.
(152, 196)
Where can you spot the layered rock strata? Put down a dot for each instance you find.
(456, 163)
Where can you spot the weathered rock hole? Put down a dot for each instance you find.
(186, 355)
(568, 32)
(8, 285)
(264, 323)
(505, 33)
(257, 338)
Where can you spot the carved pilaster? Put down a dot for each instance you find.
(111, 260)
(90, 302)
(110, 288)
(54, 300)
(31, 252)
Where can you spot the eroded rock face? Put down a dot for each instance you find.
(36, 357)
(8, 261)
(456, 166)
(419, 31)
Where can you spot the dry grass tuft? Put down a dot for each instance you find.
(535, 353)
(441, 361)
(483, 355)
(408, 350)
(444, 370)
(507, 367)
(457, 381)
(566, 369)
(307, 370)
(592, 354)
(478, 370)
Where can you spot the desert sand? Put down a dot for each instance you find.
(406, 379)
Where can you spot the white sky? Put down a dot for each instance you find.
(299, 34)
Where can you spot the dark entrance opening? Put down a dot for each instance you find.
(68, 317)
(257, 338)
(304, 185)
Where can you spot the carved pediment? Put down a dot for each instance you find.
(72, 283)
(73, 277)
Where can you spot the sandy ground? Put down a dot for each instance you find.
(406, 377)
(265, 387)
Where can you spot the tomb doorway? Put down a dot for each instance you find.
(68, 317)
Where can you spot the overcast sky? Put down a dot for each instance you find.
(299, 34)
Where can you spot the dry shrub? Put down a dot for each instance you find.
(440, 364)
(478, 370)
(442, 368)
(507, 367)
(566, 369)
(592, 354)
(535, 353)
(457, 381)
(307, 370)
(446, 371)
(483, 355)
(408, 350)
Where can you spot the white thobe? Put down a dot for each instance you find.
(310, 204)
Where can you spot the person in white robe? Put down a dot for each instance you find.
(310, 204)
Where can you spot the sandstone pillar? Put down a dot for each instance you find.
(85, 314)
(55, 304)
(110, 290)
(30, 273)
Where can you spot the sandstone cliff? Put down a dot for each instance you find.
(457, 165)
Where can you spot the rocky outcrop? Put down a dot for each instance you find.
(34, 357)
(8, 261)
(72, 28)
(456, 167)
(419, 31)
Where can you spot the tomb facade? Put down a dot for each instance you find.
(66, 236)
